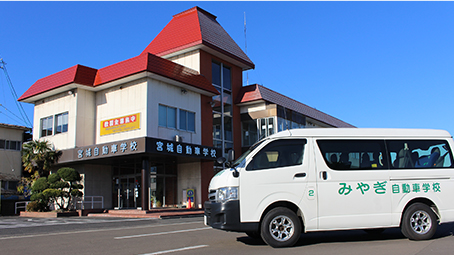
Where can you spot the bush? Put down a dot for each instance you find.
(35, 206)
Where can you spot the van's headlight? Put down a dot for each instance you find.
(226, 194)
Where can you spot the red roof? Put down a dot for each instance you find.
(151, 63)
(76, 74)
(196, 27)
(145, 62)
(257, 92)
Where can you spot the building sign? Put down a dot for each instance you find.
(120, 124)
(162, 146)
(141, 145)
(110, 149)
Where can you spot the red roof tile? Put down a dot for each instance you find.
(145, 62)
(196, 27)
(151, 63)
(76, 74)
(257, 92)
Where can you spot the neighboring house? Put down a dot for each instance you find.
(149, 128)
(11, 139)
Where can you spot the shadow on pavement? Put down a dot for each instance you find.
(343, 236)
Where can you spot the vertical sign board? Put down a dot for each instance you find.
(190, 197)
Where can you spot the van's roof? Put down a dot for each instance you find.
(364, 132)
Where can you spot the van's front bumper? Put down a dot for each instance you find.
(226, 216)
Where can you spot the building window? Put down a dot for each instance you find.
(222, 109)
(46, 126)
(10, 145)
(187, 120)
(61, 123)
(249, 131)
(167, 116)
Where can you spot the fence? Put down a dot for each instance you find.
(20, 205)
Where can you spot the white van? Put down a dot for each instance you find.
(305, 180)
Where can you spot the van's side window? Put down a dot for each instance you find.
(280, 153)
(414, 154)
(353, 154)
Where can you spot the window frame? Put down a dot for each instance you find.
(187, 119)
(42, 121)
(167, 116)
(62, 126)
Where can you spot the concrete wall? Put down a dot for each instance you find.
(10, 160)
(97, 181)
(189, 177)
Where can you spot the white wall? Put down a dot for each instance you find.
(190, 59)
(170, 95)
(129, 98)
(85, 118)
(51, 106)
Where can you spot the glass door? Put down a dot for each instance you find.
(127, 192)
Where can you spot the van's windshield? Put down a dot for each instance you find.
(241, 161)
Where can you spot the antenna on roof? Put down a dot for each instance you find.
(245, 47)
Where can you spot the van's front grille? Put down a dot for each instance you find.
(212, 196)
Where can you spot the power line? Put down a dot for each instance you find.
(18, 118)
(14, 94)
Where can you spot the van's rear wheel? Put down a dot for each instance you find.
(281, 227)
(419, 222)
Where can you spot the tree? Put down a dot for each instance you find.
(63, 186)
(39, 201)
(38, 156)
(37, 159)
(59, 189)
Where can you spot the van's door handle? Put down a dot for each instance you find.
(324, 175)
(299, 175)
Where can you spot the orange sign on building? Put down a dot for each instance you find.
(120, 124)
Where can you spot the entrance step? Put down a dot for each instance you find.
(157, 213)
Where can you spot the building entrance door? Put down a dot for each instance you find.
(127, 189)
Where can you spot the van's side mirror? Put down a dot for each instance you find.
(231, 155)
(221, 160)
(230, 159)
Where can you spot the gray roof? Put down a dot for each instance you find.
(257, 92)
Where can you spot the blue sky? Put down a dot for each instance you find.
(371, 64)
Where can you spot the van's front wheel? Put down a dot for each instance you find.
(281, 227)
(419, 222)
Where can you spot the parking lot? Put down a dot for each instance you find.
(87, 235)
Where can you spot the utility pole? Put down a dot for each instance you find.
(245, 47)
